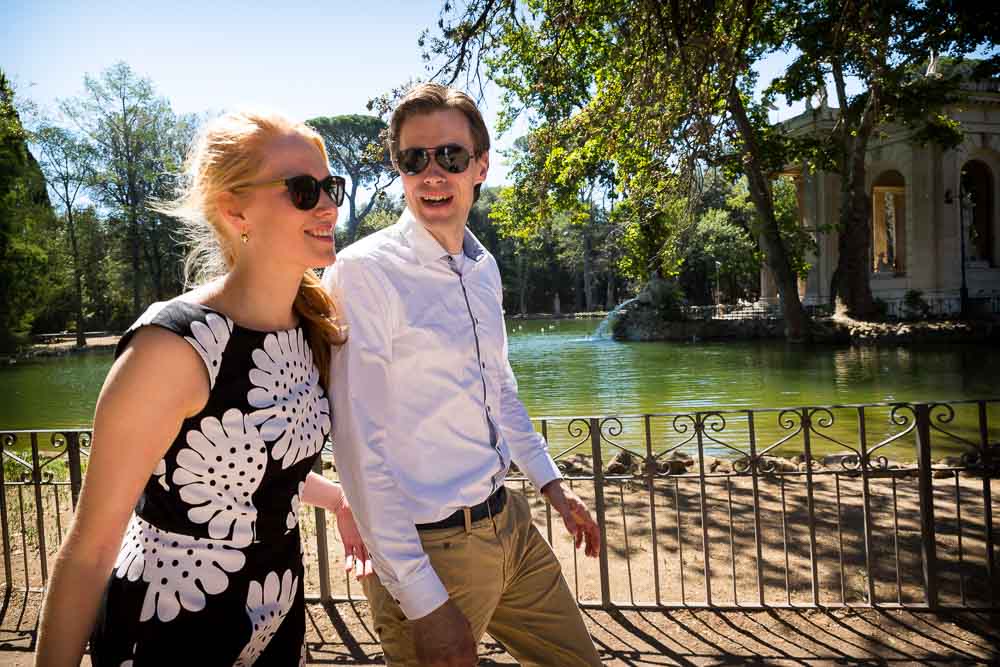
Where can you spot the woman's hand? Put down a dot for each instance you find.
(355, 553)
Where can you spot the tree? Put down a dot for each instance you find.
(655, 89)
(884, 45)
(67, 163)
(355, 146)
(123, 119)
(26, 224)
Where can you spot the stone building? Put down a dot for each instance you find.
(935, 219)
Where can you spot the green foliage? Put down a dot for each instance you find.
(137, 145)
(914, 305)
(798, 241)
(356, 147)
(718, 251)
(26, 226)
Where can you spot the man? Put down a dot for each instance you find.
(427, 420)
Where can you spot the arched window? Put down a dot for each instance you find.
(977, 212)
(889, 223)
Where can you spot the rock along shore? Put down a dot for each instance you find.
(639, 321)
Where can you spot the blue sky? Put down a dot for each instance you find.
(305, 59)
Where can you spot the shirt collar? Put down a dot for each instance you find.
(427, 248)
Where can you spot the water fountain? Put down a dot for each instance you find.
(604, 328)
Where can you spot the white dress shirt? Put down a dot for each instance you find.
(426, 416)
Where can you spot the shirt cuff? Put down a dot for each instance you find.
(421, 596)
(540, 469)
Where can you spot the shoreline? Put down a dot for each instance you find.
(60, 349)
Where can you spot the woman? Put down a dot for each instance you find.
(208, 425)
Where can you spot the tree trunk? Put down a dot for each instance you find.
(769, 237)
(610, 299)
(588, 272)
(135, 241)
(522, 279)
(81, 338)
(850, 285)
(352, 218)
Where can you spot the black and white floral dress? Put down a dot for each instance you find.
(210, 569)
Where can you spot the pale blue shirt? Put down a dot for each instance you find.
(426, 416)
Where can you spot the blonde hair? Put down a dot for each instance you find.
(228, 152)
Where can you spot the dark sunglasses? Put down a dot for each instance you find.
(304, 190)
(452, 158)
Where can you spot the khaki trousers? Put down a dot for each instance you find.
(504, 577)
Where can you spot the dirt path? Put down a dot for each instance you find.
(341, 634)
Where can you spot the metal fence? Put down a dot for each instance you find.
(883, 505)
(757, 310)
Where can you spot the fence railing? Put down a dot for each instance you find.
(823, 506)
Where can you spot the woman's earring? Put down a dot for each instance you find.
(244, 237)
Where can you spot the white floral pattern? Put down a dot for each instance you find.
(209, 339)
(219, 471)
(293, 412)
(160, 473)
(292, 519)
(129, 662)
(265, 414)
(180, 569)
(267, 607)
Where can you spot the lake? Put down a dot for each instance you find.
(563, 371)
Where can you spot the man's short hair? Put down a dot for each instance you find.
(425, 98)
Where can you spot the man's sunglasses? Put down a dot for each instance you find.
(304, 190)
(452, 158)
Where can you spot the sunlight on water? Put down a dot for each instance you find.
(564, 370)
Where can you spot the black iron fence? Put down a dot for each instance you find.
(825, 506)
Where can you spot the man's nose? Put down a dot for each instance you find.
(434, 173)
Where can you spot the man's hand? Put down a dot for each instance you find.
(443, 638)
(575, 516)
(355, 554)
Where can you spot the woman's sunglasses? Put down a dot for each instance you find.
(304, 190)
(452, 158)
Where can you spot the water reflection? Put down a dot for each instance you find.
(563, 371)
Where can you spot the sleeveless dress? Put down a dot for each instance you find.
(210, 568)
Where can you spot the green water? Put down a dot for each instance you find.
(562, 371)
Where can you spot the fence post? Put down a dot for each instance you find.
(925, 488)
(322, 547)
(5, 440)
(988, 467)
(75, 471)
(36, 483)
(595, 448)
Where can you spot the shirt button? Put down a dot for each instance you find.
(484, 365)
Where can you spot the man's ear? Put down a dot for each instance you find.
(230, 209)
(483, 164)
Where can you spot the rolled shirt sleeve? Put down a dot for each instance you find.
(362, 403)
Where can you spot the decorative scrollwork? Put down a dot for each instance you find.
(901, 414)
(898, 418)
(762, 464)
(712, 421)
(945, 418)
(611, 427)
(790, 418)
(825, 419)
(948, 416)
(682, 424)
(579, 429)
(58, 440)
